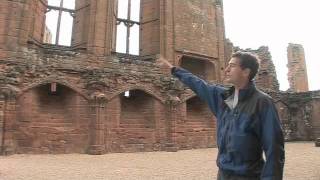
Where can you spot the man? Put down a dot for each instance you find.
(247, 121)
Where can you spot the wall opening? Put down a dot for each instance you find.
(198, 113)
(201, 68)
(198, 128)
(137, 110)
(52, 121)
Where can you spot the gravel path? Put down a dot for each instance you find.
(302, 163)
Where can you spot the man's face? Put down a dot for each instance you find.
(234, 74)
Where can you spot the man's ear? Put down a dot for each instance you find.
(247, 72)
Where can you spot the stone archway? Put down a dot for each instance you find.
(198, 128)
(135, 122)
(51, 119)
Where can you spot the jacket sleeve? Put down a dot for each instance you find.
(272, 142)
(208, 93)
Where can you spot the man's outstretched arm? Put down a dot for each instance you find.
(206, 92)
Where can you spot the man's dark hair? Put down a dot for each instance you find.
(248, 60)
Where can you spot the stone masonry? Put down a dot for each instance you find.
(297, 75)
(57, 99)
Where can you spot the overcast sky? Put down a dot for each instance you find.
(275, 23)
(249, 24)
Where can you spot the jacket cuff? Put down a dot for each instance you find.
(173, 69)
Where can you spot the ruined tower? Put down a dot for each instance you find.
(297, 70)
(97, 89)
(266, 78)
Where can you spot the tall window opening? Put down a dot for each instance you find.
(128, 27)
(59, 22)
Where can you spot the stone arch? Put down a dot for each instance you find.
(49, 81)
(150, 92)
(186, 98)
(137, 109)
(198, 126)
(134, 122)
(198, 111)
(51, 121)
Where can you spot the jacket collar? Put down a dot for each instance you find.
(243, 93)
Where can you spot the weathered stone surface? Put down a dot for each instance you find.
(49, 94)
(297, 74)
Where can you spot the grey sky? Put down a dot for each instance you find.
(275, 23)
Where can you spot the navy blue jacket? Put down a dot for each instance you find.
(244, 132)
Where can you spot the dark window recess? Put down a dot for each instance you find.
(201, 68)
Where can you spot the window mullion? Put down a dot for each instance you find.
(59, 22)
(128, 27)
